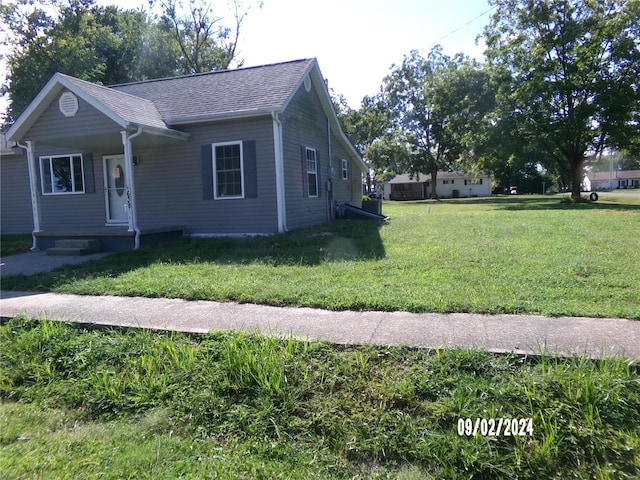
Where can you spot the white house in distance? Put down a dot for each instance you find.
(613, 180)
(449, 185)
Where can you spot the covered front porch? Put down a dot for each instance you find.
(86, 193)
(82, 143)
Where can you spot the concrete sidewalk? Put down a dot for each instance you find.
(525, 334)
(38, 262)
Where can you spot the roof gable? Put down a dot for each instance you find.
(122, 107)
(125, 110)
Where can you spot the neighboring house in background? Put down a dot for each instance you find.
(15, 203)
(449, 185)
(249, 151)
(613, 180)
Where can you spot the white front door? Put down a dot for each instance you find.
(115, 190)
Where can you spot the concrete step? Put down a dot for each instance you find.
(69, 252)
(79, 243)
(74, 247)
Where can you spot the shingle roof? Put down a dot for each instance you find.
(130, 108)
(266, 87)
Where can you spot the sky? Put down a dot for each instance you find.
(355, 41)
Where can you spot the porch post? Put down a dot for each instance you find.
(33, 184)
(281, 207)
(132, 213)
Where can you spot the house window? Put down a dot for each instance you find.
(312, 171)
(473, 181)
(344, 169)
(447, 182)
(228, 178)
(62, 174)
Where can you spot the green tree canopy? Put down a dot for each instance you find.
(435, 106)
(99, 44)
(107, 45)
(573, 67)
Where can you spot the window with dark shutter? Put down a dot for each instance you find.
(61, 175)
(229, 170)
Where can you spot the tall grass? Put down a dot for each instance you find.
(241, 405)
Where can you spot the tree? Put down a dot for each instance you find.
(365, 127)
(418, 124)
(465, 94)
(98, 44)
(206, 44)
(437, 104)
(574, 67)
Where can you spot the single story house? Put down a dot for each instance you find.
(617, 179)
(255, 150)
(449, 185)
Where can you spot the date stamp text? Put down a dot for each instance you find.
(495, 427)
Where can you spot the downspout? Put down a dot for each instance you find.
(331, 173)
(33, 185)
(281, 207)
(131, 190)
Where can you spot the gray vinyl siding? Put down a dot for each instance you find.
(52, 124)
(350, 190)
(305, 125)
(68, 211)
(356, 187)
(15, 200)
(169, 183)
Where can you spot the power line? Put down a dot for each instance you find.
(459, 28)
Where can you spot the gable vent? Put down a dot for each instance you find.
(68, 104)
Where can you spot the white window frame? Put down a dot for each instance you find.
(50, 190)
(216, 194)
(344, 166)
(312, 171)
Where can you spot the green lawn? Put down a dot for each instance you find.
(14, 244)
(78, 403)
(525, 254)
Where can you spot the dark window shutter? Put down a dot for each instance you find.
(89, 182)
(206, 156)
(318, 169)
(304, 176)
(38, 175)
(250, 169)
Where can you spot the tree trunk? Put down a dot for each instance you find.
(434, 182)
(577, 174)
